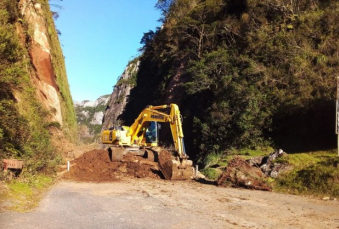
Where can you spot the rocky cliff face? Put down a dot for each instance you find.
(120, 95)
(44, 76)
(90, 116)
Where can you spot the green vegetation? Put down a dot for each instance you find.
(211, 173)
(53, 124)
(132, 79)
(58, 62)
(251, 74)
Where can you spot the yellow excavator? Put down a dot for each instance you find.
(143, 133)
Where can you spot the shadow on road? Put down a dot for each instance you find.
(204, 181)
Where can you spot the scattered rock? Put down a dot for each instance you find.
(255, 161)
(252, 173)
(277, 169)
(267, 166)
(199, 175)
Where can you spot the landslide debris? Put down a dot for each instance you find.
(98, 166)
(240, 173)
(253, 173)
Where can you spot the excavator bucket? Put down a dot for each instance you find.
(176, 170)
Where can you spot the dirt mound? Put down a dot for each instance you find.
(96, 166)
(240, 173)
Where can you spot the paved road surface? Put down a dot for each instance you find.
(146, 203)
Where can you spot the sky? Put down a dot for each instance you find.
(99, 38)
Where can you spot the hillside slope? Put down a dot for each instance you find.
(246, 74)
(36, 108)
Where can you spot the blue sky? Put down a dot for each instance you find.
(98, 38)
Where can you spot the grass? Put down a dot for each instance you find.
(314, 173)
(248, 153)
(212, 173)
(25, 194)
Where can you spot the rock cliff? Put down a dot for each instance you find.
(120, 95)
(36, 108)
(90, 116)
(44, 76)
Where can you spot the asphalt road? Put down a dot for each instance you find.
(146, 203)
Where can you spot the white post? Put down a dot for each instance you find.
(68, 165)
(196, 170)
(337, 113)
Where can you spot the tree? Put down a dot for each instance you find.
(164, 6)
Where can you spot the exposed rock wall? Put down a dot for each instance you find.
(40, 53)
(90, 116)
(119, 96)
(91, 112)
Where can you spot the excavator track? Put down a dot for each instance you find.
(172, 168)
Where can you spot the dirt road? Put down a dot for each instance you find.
(154, 203)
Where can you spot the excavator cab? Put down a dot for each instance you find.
(151, 134)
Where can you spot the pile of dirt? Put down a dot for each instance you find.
(240, 173)
(97, 166)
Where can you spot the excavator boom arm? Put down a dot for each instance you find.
(176, 128)
(152, 113)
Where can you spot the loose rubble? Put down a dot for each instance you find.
(252, 173)
(239, 173)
